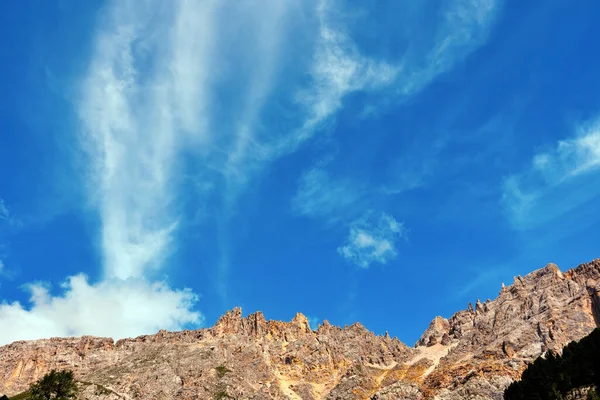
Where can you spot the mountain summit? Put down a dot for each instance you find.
(475, 354)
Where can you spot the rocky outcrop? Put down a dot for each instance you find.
(493, 342)
(474, 354)
(438, 332)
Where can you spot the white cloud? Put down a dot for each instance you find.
(372, 240)
(153, 97)
(571, 158)
(113, 308)
(319, 195)
(152, 90)
(557, 182)
(339, 68)
(372, 237)
(129, 130)
(148, 102)
(249, 144)
(464, 26)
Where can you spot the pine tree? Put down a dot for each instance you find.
(58, 385)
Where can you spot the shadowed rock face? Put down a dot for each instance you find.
(473, 355)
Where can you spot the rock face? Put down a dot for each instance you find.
(473, 355)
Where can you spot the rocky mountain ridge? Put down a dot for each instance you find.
(474, 354)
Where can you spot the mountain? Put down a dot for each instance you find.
(475, 354)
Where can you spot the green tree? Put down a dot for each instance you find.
(58, 385)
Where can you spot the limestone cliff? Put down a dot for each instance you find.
(473, 355)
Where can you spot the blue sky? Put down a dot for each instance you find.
(161, 163)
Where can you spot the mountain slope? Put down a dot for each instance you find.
(474, 354)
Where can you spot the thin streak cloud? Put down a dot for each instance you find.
(556, 182)
(4, 213)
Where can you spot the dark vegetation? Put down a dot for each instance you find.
(21, 396)
(58, 385)
(55, 385)
(221, 393)
(555, 376)
(221, 371)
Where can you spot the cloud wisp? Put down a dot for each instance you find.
(340, 69)
(372, 239)
(463, 27)
(131, 184)
(4, 220)
(320, 195)
(4, 213)
(557, 182)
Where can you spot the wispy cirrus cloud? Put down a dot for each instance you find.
(150, 97)
(4, 213)
(320, 195)
(337, 68)
(149, 101)
(557, 182)
(463, 26)
(4, 219)
(340, 68)
(129, 127)
(372, 239)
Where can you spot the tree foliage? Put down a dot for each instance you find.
(58, 385)
(554, 376)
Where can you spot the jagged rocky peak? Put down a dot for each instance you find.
(301, 322)
(255, 324)
(549, 272)
(324, 327)
(473, 354)
(230, 322)
(437, 332)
